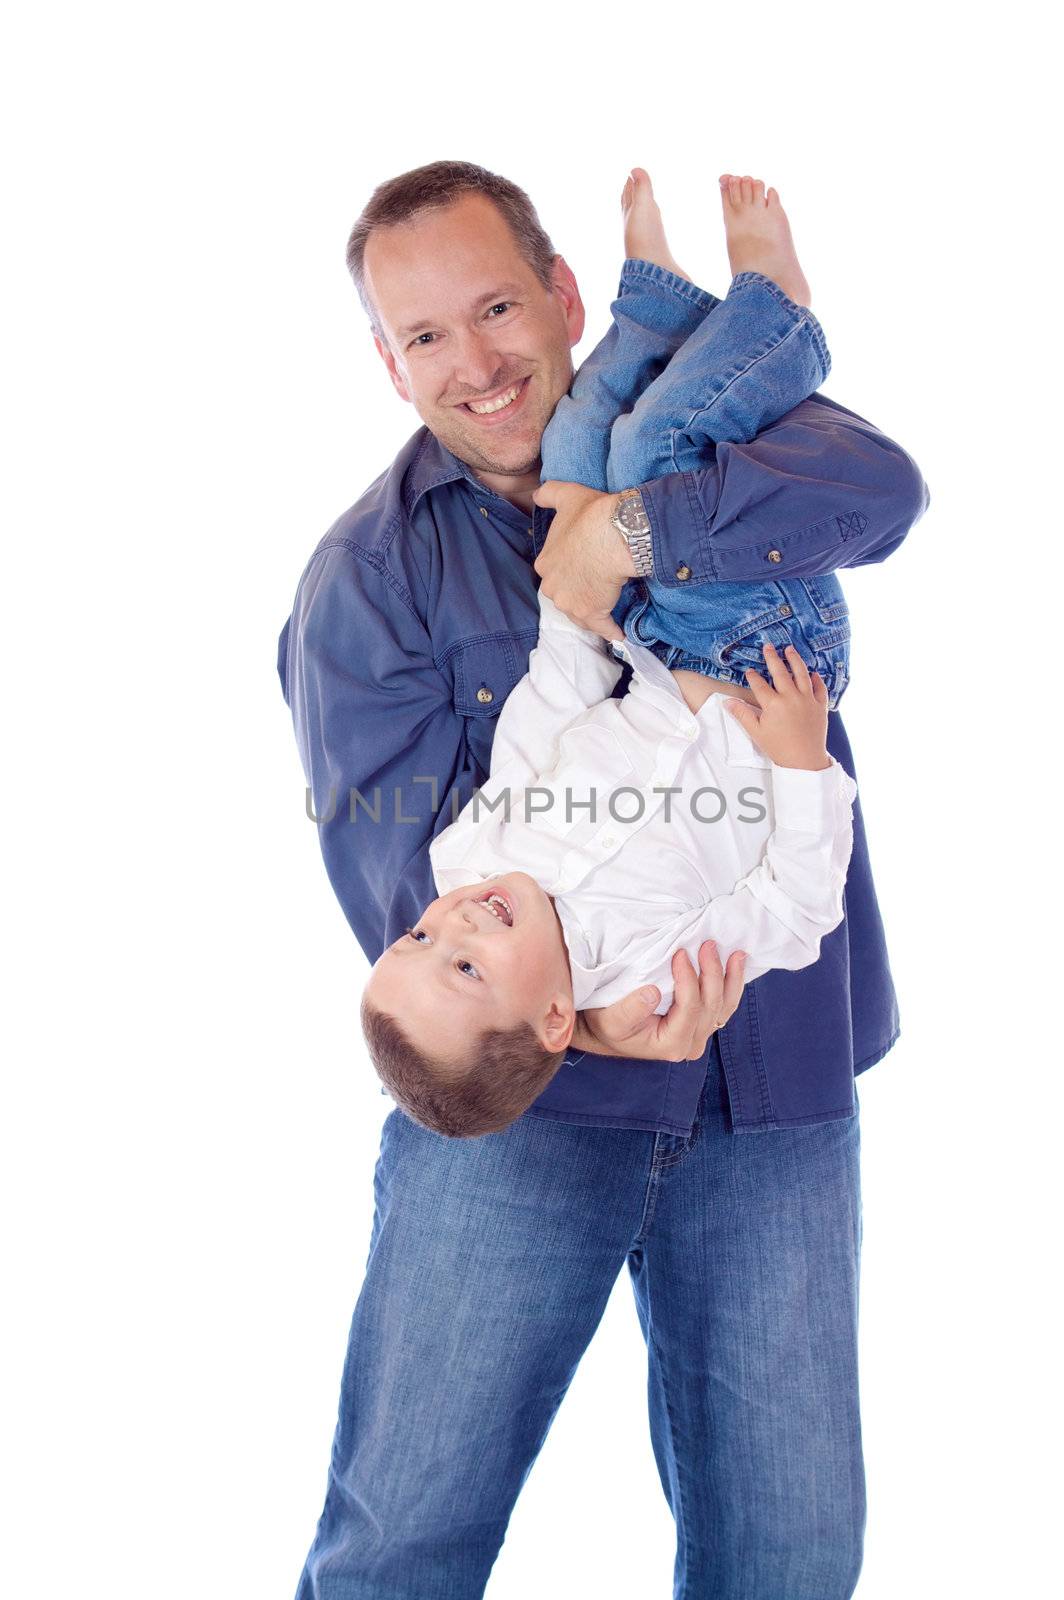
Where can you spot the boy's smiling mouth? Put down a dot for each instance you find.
(499, 906)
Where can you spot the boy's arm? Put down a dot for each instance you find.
(818, 490)
(782, 909)
(569, 670)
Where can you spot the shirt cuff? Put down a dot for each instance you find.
(678, 532)
(810, 802)
(554, 620)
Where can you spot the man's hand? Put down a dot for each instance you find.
(790, 721)
(584, 561)
(701, 1005)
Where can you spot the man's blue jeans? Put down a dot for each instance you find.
(490, 1265)
(677, 373)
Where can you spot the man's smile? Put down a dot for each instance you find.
(498, 407)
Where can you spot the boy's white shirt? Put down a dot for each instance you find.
(630, 893)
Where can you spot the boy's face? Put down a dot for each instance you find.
(465, 968)
(466, 320)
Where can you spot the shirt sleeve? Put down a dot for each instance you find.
(569, 670)
(381, 743)
(782, 909)
(818, 490)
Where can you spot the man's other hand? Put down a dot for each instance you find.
(701, 1004)
(584, 561)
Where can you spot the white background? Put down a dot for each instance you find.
(191, 398)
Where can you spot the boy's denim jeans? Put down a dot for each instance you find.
(678, 372)
(491, 1261)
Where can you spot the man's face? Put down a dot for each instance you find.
(466, 322)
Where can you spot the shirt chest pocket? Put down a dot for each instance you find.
(485, 670)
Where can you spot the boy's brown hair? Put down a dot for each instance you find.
(507, 1070)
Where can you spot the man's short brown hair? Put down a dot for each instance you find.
(439, 184)
(507, 1070)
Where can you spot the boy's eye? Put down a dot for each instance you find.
(463, 965)
(417, 934)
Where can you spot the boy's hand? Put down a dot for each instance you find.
(584, 560)
(790, 721)
(701, 1004)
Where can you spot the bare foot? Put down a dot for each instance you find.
(644, 231)
(759, 235)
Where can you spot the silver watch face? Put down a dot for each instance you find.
(631, 515)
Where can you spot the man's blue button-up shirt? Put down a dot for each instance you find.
(413, 620)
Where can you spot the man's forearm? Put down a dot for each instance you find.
(820, 490)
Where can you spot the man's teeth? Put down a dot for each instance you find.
(494, 405)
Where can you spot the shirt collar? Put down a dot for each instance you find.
(432, 465)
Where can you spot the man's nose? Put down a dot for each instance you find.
(477, 364)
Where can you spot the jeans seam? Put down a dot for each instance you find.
(650, 1197)
(750, 366)
(813, 323)
(681, 1520)
(637, 268)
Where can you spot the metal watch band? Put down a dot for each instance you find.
(636, 534)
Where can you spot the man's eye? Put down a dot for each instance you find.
(472, 972)
(422, 336)
(501, 305)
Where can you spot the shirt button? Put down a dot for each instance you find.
(530, 530)
(484, 695)
(483, 511)
(683, 572)
(608, 841)
(774, 555)
(785, 611)
(690, 733)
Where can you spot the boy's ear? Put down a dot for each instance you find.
(557, 1027)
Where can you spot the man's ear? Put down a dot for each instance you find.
(564, 285)
(557, 1027)
(384, 351)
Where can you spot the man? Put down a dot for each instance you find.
(492, 1259)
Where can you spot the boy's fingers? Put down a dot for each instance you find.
(799, 669)
(761, 689)
(781, 678)
(820, 689)
(746, 715)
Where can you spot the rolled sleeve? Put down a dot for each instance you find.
(819, 490)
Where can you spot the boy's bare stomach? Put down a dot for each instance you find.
(696, 688)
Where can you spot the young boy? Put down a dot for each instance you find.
(614, 830)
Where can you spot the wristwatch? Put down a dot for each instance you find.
(632, 523)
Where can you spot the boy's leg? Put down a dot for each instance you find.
(490, 1265)
(756, 358)
(654, 314)
(746, 1285)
